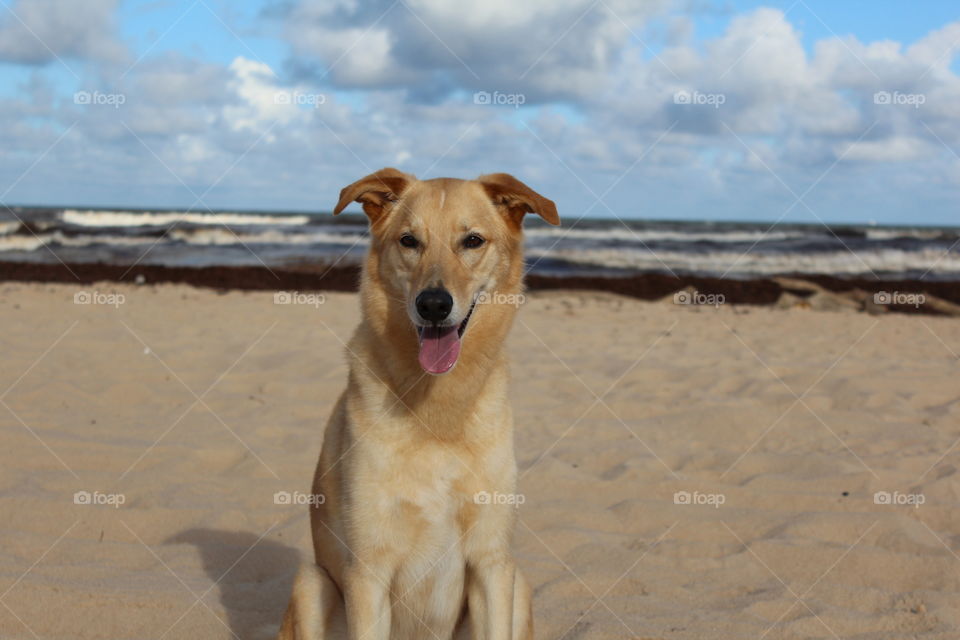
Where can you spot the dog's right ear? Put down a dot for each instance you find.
(375, 192)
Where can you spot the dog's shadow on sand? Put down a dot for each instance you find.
(253, 577)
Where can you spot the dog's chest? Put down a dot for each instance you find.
(421, 491)
(429, 482)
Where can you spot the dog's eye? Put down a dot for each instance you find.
(472, 241)
(408, 241)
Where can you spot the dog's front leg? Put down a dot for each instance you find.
(367, 604)
(493, 613)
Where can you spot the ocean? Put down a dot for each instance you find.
(736, 250)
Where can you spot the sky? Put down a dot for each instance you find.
(797, 110)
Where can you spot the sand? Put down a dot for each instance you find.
(688, 472)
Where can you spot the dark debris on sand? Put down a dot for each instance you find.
(803, 291)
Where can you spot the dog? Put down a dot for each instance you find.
(412, 539)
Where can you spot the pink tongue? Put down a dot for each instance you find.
(439, 348)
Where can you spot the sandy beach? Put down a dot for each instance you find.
(688, 472)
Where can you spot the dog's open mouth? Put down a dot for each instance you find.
(440, 346)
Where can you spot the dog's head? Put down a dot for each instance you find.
(441, 246)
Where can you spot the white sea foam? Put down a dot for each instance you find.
(134, 219)
(646, 235)
(891, 234)
(9, 227)
(21, 243)
(205, 237)
(833, 262)
(86, 241)
(33, 242)
(223, 237)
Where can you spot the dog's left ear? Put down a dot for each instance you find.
(375, 192)
(517, 198)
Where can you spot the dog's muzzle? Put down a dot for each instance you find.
(439, 344)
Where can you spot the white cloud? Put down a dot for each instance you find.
(553, 49)
(891, 149)
(40, 31)
(262, 100)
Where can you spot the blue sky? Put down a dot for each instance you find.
(661, 109)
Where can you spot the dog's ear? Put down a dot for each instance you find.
(375, 192)
(517, 198)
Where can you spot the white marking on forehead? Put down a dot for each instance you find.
(443, 197)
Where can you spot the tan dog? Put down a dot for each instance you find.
(412, 540)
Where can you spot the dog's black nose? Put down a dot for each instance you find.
(434, 305)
